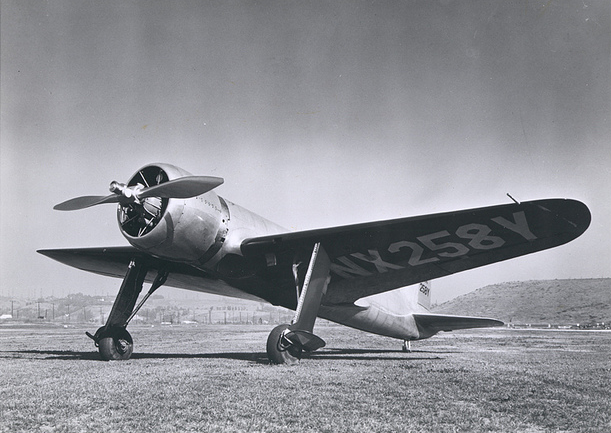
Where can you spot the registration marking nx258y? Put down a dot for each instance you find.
(474, 236)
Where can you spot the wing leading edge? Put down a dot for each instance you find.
(376, 257)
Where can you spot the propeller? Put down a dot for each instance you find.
(183, 187)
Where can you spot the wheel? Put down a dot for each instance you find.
(116, 346)
(279, 350)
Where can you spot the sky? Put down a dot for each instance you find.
(316, 114)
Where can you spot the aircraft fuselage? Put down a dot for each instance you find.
(207, 232)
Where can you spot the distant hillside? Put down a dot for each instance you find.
(543, 301)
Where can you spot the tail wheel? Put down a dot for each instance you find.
(117, 346)
(279, 349)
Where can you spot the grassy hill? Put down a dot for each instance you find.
(543, 301)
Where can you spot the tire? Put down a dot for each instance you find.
(279, 353)
(118, 346)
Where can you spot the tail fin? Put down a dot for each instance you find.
(400, 301)
(424, 294)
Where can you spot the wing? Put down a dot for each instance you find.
(113, 262)
(440, 322)
(380, 256)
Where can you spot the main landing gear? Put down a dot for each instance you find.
(115, 344)
(112, 339)
(286, 343)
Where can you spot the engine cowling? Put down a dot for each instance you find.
(190, 230)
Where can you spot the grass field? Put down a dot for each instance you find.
(216, 379)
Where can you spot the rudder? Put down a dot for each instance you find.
(424, 294)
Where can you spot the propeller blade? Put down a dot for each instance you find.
(183, 187)
(87, 201)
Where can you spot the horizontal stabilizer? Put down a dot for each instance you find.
(441, 322)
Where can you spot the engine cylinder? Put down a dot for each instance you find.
(189, 230)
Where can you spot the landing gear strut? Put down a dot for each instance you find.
(286, 343)
(112, 339)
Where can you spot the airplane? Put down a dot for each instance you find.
(182, 234)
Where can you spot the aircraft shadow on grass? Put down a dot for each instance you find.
(256, 357)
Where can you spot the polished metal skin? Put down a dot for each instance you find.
(183, 234)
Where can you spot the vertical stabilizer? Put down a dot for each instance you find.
(406, 300)
(424, 294)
